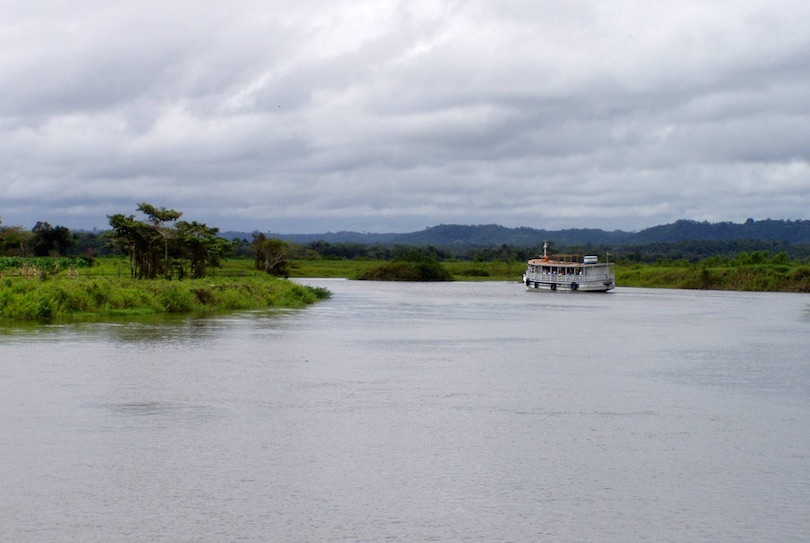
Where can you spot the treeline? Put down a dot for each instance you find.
(796, 232)
(659, 252)
(42, 240)
(157, 246)
(195, 246)
(494, 235)
(695, 250)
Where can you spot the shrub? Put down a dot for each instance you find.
(177, 299)
(412, 265)
(56, 298)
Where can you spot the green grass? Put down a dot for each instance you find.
(495, 270)
(105, 289)
(461, 271)
(61, 297)
(349, 269)
(755, 277)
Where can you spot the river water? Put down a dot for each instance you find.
(416, 412)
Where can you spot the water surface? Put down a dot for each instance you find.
(416, 412)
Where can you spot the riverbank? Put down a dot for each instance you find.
(104, 289)
(460, 270)
(62, 298)
(699, 276)
(786, 277)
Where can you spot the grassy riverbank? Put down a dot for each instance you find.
(60, 298)
(105, 289)
(460, 270)
(765, 277)
(708, 275)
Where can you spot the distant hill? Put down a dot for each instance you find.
(489, 235)
(329, 237)
(770, 230)
(457, 235)
(493, 235)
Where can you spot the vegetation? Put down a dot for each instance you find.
(756, 271)
(495, 270)
(167, 269)
(29, 267)
(50, 240)
(270, 255)
(60, 298)
(713, 274)
(413, 266)
(157, 248)
(457, 237)
(173, 254)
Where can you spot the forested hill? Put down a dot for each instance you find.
(771, 230)
(490, 235)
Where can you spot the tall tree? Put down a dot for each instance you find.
(158, 218)
(14, 240)
(270, 255)
(153, 244)
(201, 246)
(135, 239)
(49, 240)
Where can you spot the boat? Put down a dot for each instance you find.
(569, 272)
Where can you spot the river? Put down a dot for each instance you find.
(416, 412)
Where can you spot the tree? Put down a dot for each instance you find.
(48, 240)
(200, 245)
(133, 238)
(14, 240)
(152, 244)
(158, 217)
(270, 255)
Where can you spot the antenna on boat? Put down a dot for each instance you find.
(545, 249)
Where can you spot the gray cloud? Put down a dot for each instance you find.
(310, 116)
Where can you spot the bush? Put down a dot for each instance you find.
(413, 266)
(177, 299)
(63, 296)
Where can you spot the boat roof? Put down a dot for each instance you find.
(560, 260)
(557, 259)
(563, 259)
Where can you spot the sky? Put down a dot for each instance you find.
(312, 116)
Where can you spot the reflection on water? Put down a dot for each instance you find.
(170, 414)
(412, 412)
(153, 329)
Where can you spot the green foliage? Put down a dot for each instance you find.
(47, 264)
(200, 246)
(270, 255)
(14, 241)
(754, 272)
(156, 249)
(414, 265)
(65, 298)
(177, 298)
(50, 240)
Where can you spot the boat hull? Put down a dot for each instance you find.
(569, 286)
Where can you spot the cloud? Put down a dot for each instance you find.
(310, 116)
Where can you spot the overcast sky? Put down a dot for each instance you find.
(310, 116)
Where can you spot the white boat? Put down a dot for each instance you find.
(569, 272)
